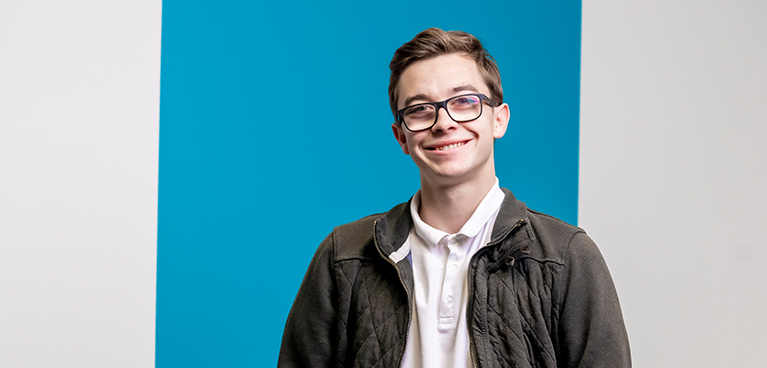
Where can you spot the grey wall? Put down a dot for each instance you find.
(79, 134)
(673, 172)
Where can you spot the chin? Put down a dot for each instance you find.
(450, 174)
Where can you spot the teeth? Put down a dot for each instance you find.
(449, 146)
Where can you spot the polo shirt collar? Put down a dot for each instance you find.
(487, 207)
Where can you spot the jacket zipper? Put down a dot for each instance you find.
(469, 277)
(402, 282)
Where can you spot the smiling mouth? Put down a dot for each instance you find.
(447, 147)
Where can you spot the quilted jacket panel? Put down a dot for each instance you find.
(540, 296)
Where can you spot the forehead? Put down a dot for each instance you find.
(439, 78)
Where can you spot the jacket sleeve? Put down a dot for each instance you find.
(591, 328)
(309, 337)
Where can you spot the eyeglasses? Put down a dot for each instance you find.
(461, 109)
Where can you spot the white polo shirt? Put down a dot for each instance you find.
(438, 336)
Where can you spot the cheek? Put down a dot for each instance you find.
(412, 143)
(409, 145)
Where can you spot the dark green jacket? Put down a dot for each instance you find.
(540, 295)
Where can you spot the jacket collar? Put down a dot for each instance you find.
(512, 212)
(393, 228)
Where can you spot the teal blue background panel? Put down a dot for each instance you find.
(275, 127)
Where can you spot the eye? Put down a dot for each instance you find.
(419, 112)
(464, 102)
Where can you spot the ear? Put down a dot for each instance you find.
(399, 135)
(501, 122)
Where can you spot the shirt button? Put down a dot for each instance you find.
(454, 268)
(449, 300)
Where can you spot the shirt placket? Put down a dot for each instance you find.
(449, 307)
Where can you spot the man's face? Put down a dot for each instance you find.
(449, 153)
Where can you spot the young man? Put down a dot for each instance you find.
(463, 274)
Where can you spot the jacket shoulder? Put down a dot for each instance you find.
(554, 235)
(552, 223)
(354, 240)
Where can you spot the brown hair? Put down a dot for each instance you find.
(435, 42)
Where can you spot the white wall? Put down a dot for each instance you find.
(79, 135)
(673, 173)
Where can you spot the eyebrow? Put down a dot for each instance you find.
(421, 96)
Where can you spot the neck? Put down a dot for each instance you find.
(448, 207)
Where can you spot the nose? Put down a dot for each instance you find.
(444, 122)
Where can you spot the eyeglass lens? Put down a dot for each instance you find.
(460, 109)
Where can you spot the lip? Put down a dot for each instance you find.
(436, 147)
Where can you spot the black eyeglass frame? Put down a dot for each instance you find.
(443, 104)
